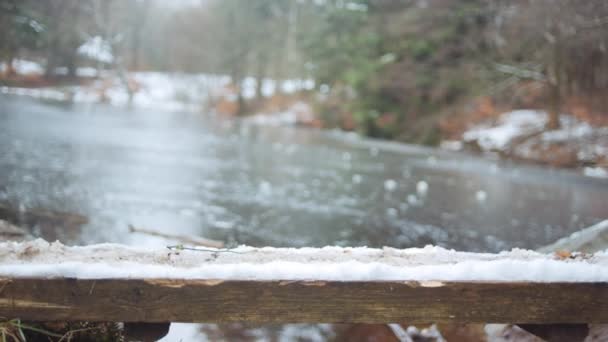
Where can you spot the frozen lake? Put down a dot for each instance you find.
(187, 173)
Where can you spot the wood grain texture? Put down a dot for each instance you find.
(158, 300)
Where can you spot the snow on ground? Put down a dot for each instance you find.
(184, 332)
(270, 86)
(596, 172)
(158, 90)
(163, 91)
(24, 67)
(297, 113)
(179, 91)
(228, 331)
(570, 128)
(451, 145)
(510, 125)
(98, 49)
(575, 143)
(80, 72)
(30, 68)
(521, 134)
(39, 93)
(39, 258)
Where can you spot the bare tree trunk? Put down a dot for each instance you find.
(553, 122)
(51, 63)
(260, 72)
(241, 103)
(135, 47)
(290, 46)
(124, 79)
(237, 79)
(71, 65)
(238, 83)
(139, 13)
(10, 67)
(556, 87)
(102, 18)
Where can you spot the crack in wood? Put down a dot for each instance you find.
(28, 304)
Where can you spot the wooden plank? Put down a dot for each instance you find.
(159, 300)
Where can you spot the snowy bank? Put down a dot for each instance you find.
(158, 90)
(23, 67)
(97, 49)
(151, 90)
(39, 93)
(299, 113)
(510, 125)
(42, 259)
(522, 134)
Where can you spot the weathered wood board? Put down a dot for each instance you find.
(158, 300)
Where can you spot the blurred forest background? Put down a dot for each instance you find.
(410, 70)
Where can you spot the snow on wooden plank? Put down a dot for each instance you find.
(39, 259)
